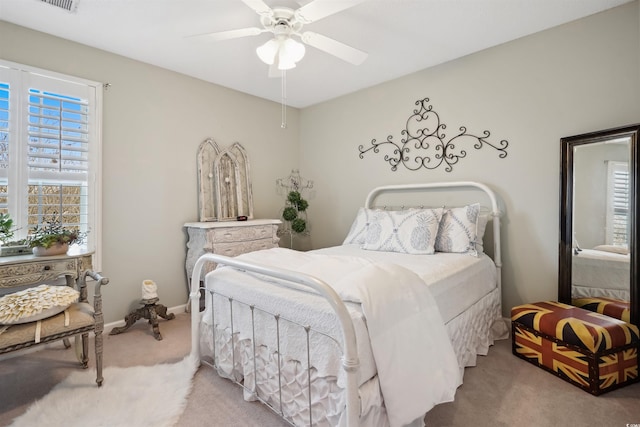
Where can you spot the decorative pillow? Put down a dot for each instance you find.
(35, 303)
(358, 230)
(459, 230)
(483, 219)
(410, 231)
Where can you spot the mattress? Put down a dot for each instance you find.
(456, 281)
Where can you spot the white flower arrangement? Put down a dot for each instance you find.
(36, 303)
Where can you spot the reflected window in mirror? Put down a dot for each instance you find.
(617, 217)
(598, 210)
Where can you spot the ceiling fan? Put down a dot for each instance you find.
(283, 51)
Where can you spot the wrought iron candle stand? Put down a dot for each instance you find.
(150, 311)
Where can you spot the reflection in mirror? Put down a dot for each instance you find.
(598, 208)
(600, 262)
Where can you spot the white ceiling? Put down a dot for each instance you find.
(400, 36)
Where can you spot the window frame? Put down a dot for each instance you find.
(19, 78)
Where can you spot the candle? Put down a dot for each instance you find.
(149, 289)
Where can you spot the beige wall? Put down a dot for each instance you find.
(154, 120)
(580, 77)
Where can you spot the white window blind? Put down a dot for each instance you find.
(617, 218)
(58, 163)
(50, 147)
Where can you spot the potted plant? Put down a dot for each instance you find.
(52, 238)
(295, 208)
(6, 228)
(292, 212)
(294, 215)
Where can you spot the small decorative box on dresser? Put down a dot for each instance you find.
(595, 352)
(230, 238)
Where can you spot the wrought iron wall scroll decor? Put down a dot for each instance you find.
(432, 148)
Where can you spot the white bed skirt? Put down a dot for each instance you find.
(471, 334)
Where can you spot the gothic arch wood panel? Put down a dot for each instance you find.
(224, 182)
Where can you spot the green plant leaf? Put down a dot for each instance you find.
(294, 197)
(49, 233)
(289, 213)
(302, 205)
(299, 225)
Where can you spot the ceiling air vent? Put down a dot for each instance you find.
(68, 5)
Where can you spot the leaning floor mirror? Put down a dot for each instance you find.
(598, 214)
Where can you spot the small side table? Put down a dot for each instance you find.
(150, 311)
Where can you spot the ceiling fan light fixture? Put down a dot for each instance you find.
(293, 50)
(268, 51)
(286, 50)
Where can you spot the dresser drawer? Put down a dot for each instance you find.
(238, 248)
(33, 272)
(240, 234)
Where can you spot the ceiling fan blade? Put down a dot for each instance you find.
(319, 9)
(334, 47)
(259, 6)
(231, 34)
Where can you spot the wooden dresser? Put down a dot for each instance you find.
(230, 238)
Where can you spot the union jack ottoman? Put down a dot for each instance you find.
(595, 352)
(611, 307)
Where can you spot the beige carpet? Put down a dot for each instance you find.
(501, 391)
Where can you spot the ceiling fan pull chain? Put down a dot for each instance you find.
(283, 82)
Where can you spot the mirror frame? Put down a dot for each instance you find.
(567, 146)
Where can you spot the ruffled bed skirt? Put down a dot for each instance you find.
(471, 333)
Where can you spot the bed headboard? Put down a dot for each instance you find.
(459, 185)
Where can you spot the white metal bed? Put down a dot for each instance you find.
(474, 323)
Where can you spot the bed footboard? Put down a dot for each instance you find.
(350, 362)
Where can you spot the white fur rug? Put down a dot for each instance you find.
(129, 397)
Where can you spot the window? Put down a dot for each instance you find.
(50, 148)
(617, 217)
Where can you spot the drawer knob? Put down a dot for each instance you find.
(47, 267)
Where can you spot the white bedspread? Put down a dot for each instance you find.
(456, 281)
(416, 364)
